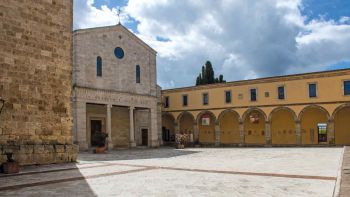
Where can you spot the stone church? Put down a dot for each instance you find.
(114, 88)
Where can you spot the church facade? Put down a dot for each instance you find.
(114, 88)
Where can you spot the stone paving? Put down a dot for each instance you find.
(345, 174)
(188, 172)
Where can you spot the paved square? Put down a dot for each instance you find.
(188, 172)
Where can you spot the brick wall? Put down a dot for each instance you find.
(35, 80)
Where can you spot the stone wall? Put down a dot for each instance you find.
(35, 81)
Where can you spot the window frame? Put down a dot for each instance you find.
(183, 103)
(99, 66)
(205, 93)
(138, 73)
(343, 85)
(225, 98)
(316, 89)
(256, 94)
(284, 92)
(166, 101)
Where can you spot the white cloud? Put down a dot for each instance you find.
(243, 39)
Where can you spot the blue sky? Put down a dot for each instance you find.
(243, 39)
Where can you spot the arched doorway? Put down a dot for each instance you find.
(254, 126)
(206, 126)
(313, 123)
(283, 130)
(168, 128)
(186, 122)
(342, 125)
(229, 127)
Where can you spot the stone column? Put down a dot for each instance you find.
(80, 125)
(195, 132)
(154, 128)
(217, 134)
(298, 132)
(132, 129)
(176, 127)
(267, 133)
(241, 133)
(330, 132)
(109, 126)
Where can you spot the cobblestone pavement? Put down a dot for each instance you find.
(189, 172)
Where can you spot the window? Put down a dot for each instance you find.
(205, 99)
(119, 53)
(228, 96)
(281, 93)
(252, 94)
(184, 100)
(166, 102)
(346, 87)
(267, 94)
(312, 90)
(138, 72)
(99, 66)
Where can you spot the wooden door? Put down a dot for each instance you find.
(96, 126)
(144, 137)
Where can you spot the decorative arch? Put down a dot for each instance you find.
(206, 131)
(312, 106)
(341, 117)
(254, 131)
(229, 127)
(249, 110)
(183, 113)
(282, 126)
(227, 111)
(168, 127)
(310, 119)
(295, 117)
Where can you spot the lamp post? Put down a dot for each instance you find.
(2, 104)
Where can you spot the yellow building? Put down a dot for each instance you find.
(301, 109)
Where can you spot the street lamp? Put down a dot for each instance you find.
(2, 103)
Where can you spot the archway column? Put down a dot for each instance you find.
(241, 133)
(267, 133)
(177, 127)
(330, 132)
(195, 132)
(298, 132)
(109, 126)
(217, 133)
(132, 128)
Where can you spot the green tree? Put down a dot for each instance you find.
(207, 75)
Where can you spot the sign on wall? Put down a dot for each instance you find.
(206, 119)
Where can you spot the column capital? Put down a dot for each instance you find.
(131, 107)
(109, 105)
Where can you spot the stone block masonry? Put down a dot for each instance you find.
(35, 81)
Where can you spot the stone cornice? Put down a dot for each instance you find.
(91, 95)
(313, 75)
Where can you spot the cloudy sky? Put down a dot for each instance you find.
(243, 39)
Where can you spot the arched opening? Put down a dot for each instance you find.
(186, 122)
(283, 130)
(254, 127)
(313, 123)
(342, 125)
(168, 128)
(229, 127)
(206, 126)
(99, 66)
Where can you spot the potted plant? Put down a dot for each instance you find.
(181, 140)
(11, 166)
(100, 138)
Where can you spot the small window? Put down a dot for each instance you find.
(205, 99)
(252, 94)
(312, 90)
(228, 96)
(166, 102)
(184, 100)
(346, 87)
(138, 73)
(281, 95)
(99, 66)
(119, 53)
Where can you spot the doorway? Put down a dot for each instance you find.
(322, 132)
(144, 133)
(96, 126)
